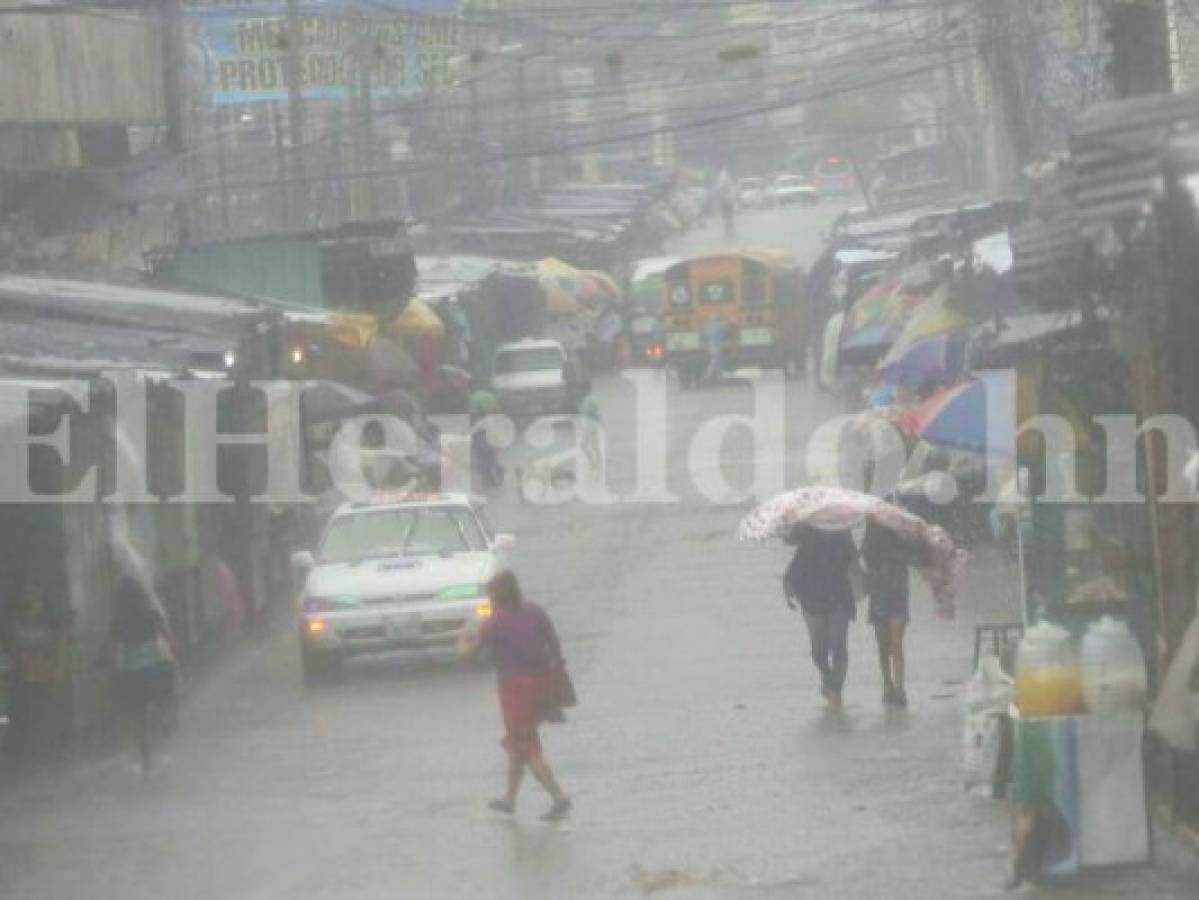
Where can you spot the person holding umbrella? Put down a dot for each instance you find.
(817, 521)
(886, 556)
(818, 582)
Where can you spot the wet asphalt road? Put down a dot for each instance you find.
(700, 760)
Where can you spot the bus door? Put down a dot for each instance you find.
(759, 315)
(678, 314)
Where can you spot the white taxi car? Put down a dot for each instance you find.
(408, 573)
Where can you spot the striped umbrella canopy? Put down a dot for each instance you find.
(977, 416)
(981, 415)
(887, 302)
(940, 357)
(933, 317)
(872, 307)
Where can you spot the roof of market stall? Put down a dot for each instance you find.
(128, 305)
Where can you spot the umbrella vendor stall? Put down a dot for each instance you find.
(934, 317)
(936, 360)
(840, 509)
(875, 321)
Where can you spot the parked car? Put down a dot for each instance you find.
(751, 193)
(408, 573)
(792, 189)
(534, 378)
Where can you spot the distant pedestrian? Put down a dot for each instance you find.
(886, 557)
(818, 580)
(524, 645)
(483, 403)
(591, 423)
(716, 335)
(727, 195)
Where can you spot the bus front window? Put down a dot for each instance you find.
(717, 293)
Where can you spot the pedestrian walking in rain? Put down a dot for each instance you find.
(524, 645)
(483, 403)
(591, 423)
(886, 557)
(715, 336)
(727, 194)
(142, 649)
(818, 581)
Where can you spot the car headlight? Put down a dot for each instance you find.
(329, 604)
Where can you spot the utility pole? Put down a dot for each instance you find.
(286, 188)
(523, 163)
(960, 129)
(220, 124)
(1139, 32)
(177, 104)
(477, 189)
(364, 186)
(999, 56)
(296, 114)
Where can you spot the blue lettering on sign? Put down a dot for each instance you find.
(409, 44)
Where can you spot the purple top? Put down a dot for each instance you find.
(522, 641)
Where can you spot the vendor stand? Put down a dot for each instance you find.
(1078, 785)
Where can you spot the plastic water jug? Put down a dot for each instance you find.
(1114, 678)
(1048, 678)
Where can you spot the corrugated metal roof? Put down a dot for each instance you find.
(1047, 259)
(1116, 152)
(124, 305)
(54, 347)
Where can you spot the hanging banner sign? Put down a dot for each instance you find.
(407, 45)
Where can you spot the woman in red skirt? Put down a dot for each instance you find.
(524, 645)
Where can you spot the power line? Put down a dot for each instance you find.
(695, 124)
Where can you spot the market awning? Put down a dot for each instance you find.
(133, 306)
(983, 415)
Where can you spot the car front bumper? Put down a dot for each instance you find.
(353, 633)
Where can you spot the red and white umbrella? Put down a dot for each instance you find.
(839, 509)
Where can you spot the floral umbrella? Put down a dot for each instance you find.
(839, 509)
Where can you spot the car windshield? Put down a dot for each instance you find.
(402, 532)
(532, 359)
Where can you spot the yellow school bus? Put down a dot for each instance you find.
(756, 296)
